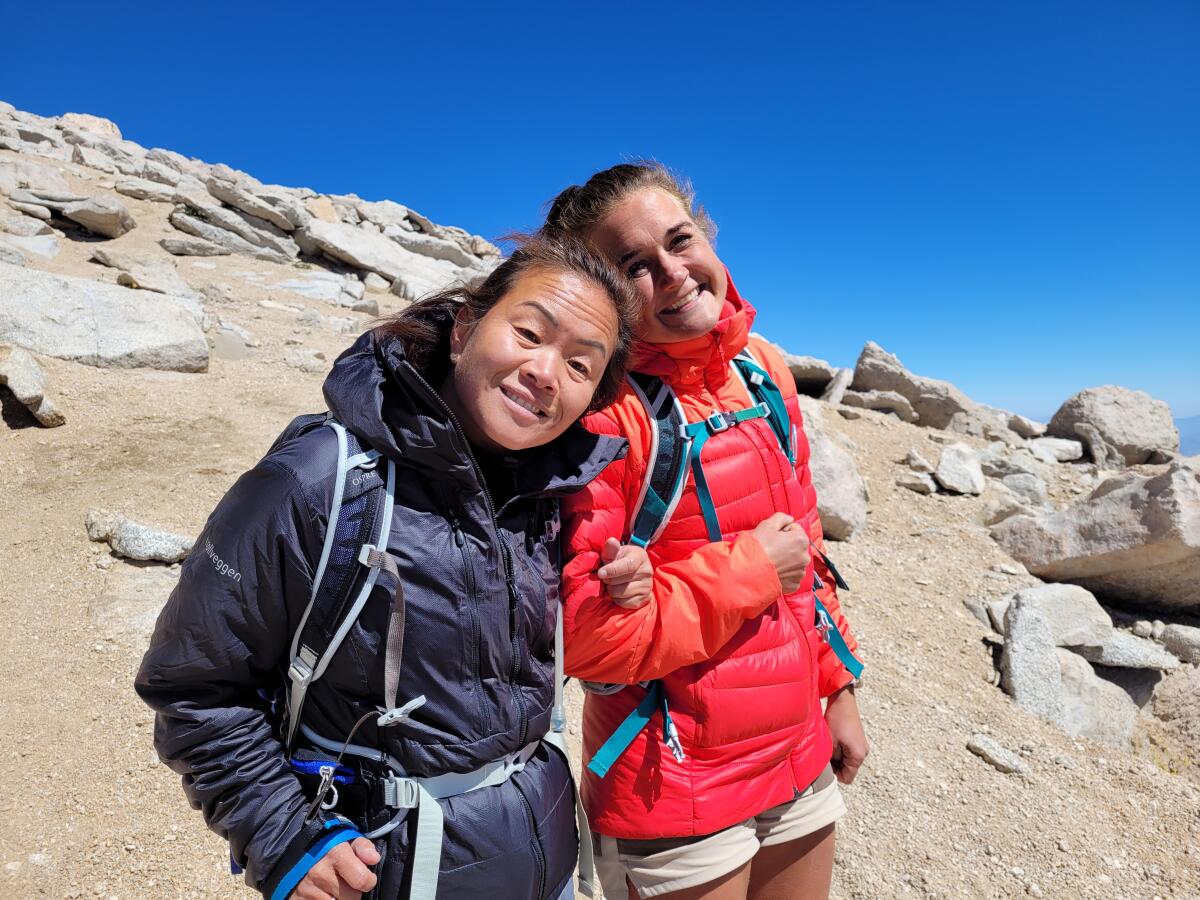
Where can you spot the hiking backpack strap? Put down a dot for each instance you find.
(764, 391)
(666, 467)
(355, 540)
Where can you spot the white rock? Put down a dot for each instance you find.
(310, 361)
(1135, 538)
(1092, 707)
(105, 217)
(1183, 641)
(958, 470)
(192, 247)
(1060, 449)
(134, 541)
(836, 389)
(1029, 667)
(141, 189)
(1028, 487)
(1072, 614)
(44, 245)
(996, 755)
(143, 272)
(1129, 651)
(21, 374)
(841, 491)
(10, 255)
(1138, 426)
(884, 401)
(98, 324)
(105, 128)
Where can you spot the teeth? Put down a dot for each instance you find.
(524, 404)
(692, 295)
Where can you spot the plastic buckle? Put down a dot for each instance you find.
(400, 793)
(300, 671)
(364, 554)
(718, 422)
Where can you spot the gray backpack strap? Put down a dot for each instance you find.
(666, 465)
(355, 539)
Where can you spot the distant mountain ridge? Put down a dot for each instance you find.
(1189, 435)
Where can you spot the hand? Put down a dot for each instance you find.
(786, 545)
(850, 746)
(626, 573)
(341, 874)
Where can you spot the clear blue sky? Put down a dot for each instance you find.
(1006, 195)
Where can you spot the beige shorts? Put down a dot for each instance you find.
(664, 865)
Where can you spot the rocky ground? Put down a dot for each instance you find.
(88, 811)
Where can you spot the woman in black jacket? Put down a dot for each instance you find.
(440, 685)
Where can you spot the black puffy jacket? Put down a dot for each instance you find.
(481, 595)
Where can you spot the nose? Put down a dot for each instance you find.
(541, 368)
(671, 271)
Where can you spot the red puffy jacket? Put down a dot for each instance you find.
(742, 665)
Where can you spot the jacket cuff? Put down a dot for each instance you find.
(315, 839)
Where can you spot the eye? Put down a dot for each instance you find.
(682, 239)
(638, 268)
(581, 367)
(528, 334)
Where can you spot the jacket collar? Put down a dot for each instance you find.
(377, 393)
(705, 358)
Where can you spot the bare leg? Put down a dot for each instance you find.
(798, 870)
(732, 886)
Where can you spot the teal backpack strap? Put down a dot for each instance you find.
(764, 391)
(666, 469)
(620, 739)
(698, 433)
(827, 628)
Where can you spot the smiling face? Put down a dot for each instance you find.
(652, 239)
(529, 368)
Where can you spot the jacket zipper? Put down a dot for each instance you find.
(476, 628)
(505, 552)
(538, 856)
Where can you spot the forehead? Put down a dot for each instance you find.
(573, 306)
(642, 217)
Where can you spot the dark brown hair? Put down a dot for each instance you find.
(424, 327)
(578, 209)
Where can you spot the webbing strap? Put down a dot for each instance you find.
(763, 389)
(837, 643)
(427, 847)
(698, 434)
(611, 750)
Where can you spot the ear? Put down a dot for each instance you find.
(460, 332)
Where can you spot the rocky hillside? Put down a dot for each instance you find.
(1026, 595)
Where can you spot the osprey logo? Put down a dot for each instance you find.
(365, 476)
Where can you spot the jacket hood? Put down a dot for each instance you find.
(379, 395)
(704, 357)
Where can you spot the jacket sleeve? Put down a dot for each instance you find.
(223, 635)
(832, 676)
(698, 603)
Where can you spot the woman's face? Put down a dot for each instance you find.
(651, 238)
(529, 368)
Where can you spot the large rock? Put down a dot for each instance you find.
(1133, 422)
(1103, 454)
(1072, 614)
(284, 212)
(841, 491)
(1029, 667)
(885, 401)
(811, 375)
(1183, 641)
(10, 254)
(98, 324)
(145, 542)
(104, 217)
(21, 374)
(207, 230)
(1028, 487)
(104, 128)
(836, 389)
(412, 274)
(958, 470)
(249, 228)
(192, 247)
(143, 272)
(23, 173)
(144, 189)
(1128, 651)
(332, 288)
(937, 404)
(1092, 707)
(1134, 540)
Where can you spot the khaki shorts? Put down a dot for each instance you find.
(664, 865)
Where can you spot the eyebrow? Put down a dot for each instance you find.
(625, 257)
(554, 321)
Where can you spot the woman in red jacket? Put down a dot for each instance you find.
(747, 809)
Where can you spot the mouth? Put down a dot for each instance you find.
(523, 402)
(685, 302)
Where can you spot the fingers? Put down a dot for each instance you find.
(778, 521)
(619, 570)
(365, 851)
(610, 550)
